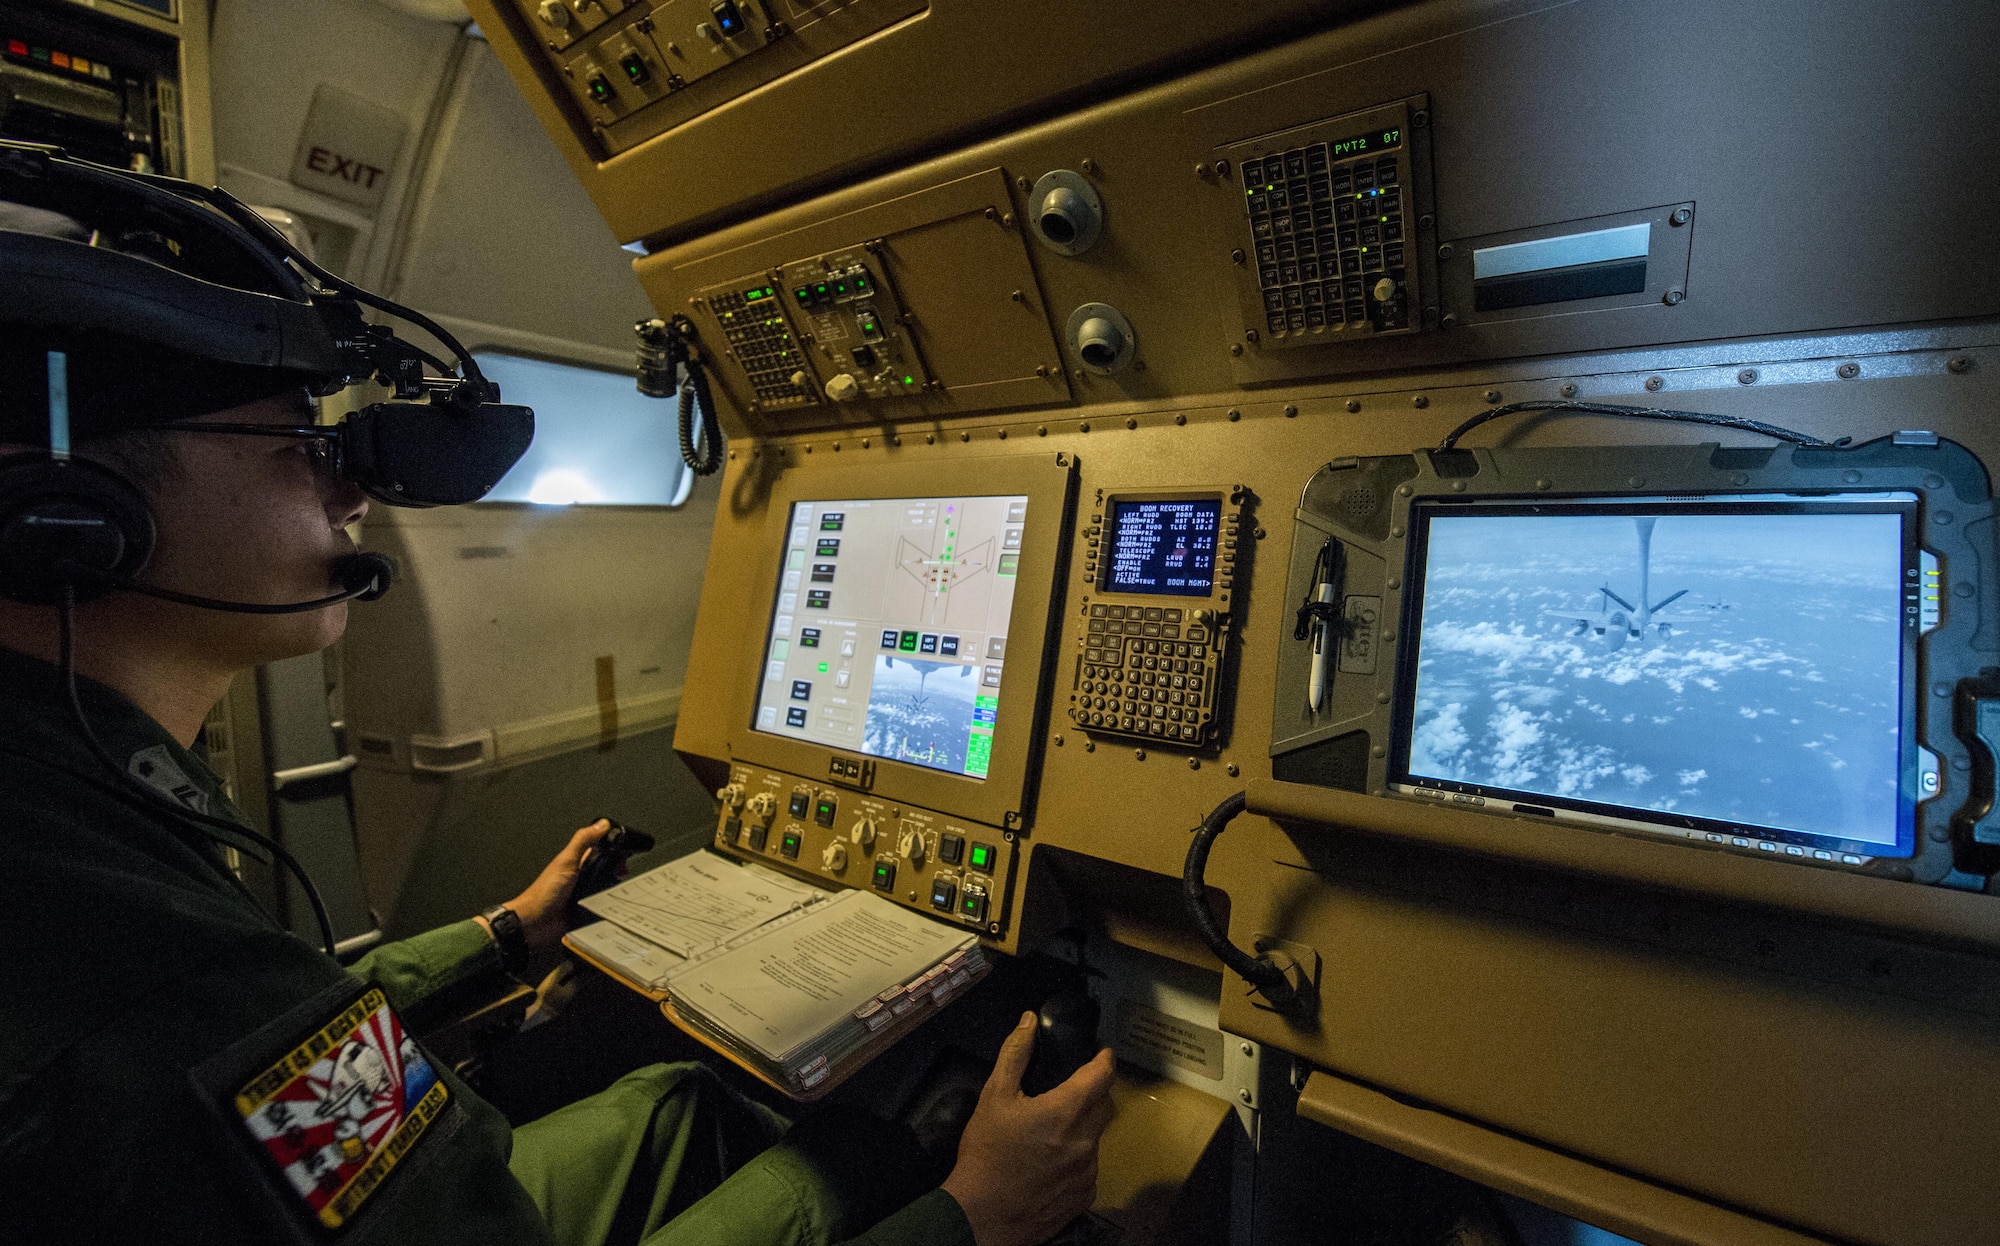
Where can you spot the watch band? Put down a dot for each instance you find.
(510, 941)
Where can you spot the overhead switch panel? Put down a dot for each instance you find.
(1327, 230)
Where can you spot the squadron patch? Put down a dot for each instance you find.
(339, 1110)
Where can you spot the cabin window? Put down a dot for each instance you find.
(598, 440)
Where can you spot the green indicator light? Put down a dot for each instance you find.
(822, 668)
(909, 380)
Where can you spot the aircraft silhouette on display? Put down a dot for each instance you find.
(1641, 622)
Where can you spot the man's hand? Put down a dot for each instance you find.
(544, 907)
(1028, 1165)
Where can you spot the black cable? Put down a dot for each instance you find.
(1258, 971)
(669, 362)
(1647, 413)
(237, 211)
(133, 789)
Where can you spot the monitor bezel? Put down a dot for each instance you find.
(1601, 815)
(1004, 797)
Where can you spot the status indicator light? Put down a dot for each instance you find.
(909, 380)
(16, 48)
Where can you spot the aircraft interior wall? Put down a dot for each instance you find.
(551, 639)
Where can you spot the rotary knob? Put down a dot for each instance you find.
(555, 13)
(1385, 290)
(731, 795)
(834, 858)
(763, 805)
(843, 387)
(911, 845)
(863, 833)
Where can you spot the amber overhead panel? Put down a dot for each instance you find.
(694, 125)
(912, 308)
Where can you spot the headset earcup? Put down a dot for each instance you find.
(68, 523)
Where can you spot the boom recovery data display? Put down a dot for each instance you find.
(889, 633)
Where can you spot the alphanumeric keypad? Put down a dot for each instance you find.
(1326, 233)
(765, 349)
(1148, 671)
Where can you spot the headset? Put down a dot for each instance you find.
(184, 301)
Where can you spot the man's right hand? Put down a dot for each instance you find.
(1027, 1165)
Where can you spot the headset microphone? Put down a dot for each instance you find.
(362, 577)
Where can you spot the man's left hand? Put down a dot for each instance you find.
(544, 907)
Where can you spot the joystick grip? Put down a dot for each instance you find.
(600, 864)
(1065, 1040)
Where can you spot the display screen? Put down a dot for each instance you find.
(1165, 547)
(1359, 144)
(1728, 667)
(889, 633)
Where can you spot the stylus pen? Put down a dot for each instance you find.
(1322, 634)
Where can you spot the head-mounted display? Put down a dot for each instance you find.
(188, 285)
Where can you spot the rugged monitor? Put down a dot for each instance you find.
(1756, 651)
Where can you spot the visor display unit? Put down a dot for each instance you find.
(908, 622)
(1762, 653)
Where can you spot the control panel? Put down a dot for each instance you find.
(828, 329)
(1327, 228)
(952, 869)
(1151, 634)
(621, 60)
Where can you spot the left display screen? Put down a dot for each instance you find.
(888, 635)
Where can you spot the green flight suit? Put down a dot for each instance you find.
(145, 999)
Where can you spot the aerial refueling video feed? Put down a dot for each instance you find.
(1694, 665)
(889, 633)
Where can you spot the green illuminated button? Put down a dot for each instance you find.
(982, 857)
(600, 88)
(972, 904)
(885, 876)
(909, 644)
(789, 845)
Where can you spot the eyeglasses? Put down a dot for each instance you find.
(323, 439)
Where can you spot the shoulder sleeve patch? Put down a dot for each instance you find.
(344, 1100)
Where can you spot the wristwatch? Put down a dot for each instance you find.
(510, 942)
